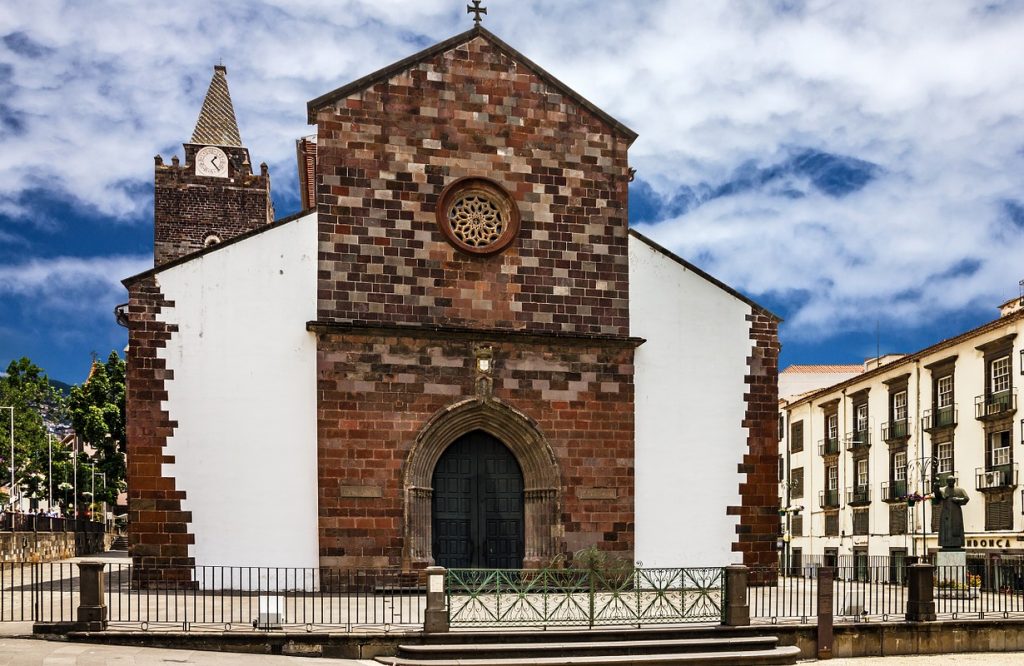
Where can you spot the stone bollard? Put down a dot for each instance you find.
(435, 620)
(826, 593)
(92, 608)
(737, 611)
(920, 593)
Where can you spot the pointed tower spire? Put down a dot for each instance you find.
(217, 125)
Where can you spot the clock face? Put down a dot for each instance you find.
(211, 161)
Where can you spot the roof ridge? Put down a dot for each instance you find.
(217, 125)
(477, 31)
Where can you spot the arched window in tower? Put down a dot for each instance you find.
(211, 240)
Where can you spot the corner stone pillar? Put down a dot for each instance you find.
(920, 593)
(92, 611)
(435, 619)
(736, 612)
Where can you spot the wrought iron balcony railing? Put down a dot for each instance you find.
(995, 404)
(894, 491)
(893, 430)
(858, 495)
(858, 440)
(941, 417)
(996, 477)
(828, 499)
(828, 446)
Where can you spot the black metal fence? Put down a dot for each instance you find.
(38, 591)
(31, 522)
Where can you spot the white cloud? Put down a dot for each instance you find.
(930, 92)
(75, 286)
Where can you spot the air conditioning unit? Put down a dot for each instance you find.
(993, 479)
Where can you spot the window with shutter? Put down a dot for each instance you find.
(831, 524)
(796, 488)
(797, 528)
(999, 511)
(898, 518)
(860, 522)
(796, 437)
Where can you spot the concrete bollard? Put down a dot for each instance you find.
(737, 611)
(92, 608)
(920, 593)
(435, 620)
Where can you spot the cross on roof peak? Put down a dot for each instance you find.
(476, 10)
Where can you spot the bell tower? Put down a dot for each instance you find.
(214, 195)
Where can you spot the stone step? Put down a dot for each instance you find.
(555, 646)
(778, 655)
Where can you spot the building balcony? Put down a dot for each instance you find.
(942, 417)
(828, 446)
(828, 499)
(894, 491)
(895, 430)
(858, 495)
(858, 440)
(995, 405)
(996, 477)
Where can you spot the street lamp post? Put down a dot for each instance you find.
(921, 465)
(11, 498)
(49, 474)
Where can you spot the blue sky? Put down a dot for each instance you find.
(848, 165)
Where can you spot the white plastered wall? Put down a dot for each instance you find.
(689, 411)
(244, 397)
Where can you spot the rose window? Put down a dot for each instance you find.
(477, 216)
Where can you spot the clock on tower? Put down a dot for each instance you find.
(211, 161)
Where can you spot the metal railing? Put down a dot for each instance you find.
(894, 491)
(38, 591)
(828, 446)
(895, 429)
(584, 597)
(858, 440)
(828, 499)
(995, 404)
(31, 522)
(939, 417)
(996, 476)
(858, 495)
(870, 589)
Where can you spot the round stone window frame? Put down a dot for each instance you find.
(491, 191)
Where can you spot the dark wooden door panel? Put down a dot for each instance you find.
(478, 505)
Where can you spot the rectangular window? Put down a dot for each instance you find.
(1001, 374)
(944, 391)
(899, 406)
(797, 528)
(899, 466)
(796, 483)
(831, 529)
(898, 518)
(999, 511)
(796, 437)
(860, 419)
(833, 426)
(833, 477)
(862, 473)
(1000, 448)
(945, 458)
(860, 524)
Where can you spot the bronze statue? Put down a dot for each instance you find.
(951, 519)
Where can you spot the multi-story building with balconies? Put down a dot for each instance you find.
(886, 435)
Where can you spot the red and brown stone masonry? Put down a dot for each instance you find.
(758, 527)
(384, 154)
(158, 538)
(376, 390)
(188, 209)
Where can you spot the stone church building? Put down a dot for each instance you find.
(459, 353)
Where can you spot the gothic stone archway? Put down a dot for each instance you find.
(541, 478)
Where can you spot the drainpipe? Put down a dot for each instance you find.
(841, 467)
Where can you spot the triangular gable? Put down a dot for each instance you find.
(710, 278)
(407, 63)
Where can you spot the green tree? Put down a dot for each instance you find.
(97, 408)
(36, 403)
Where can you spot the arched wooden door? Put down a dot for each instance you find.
(478, 505)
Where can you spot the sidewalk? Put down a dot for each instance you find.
(961, 659)
(32, 652)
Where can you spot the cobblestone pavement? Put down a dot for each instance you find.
(33, 652)
(971, 659)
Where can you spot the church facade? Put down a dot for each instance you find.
(459, 355)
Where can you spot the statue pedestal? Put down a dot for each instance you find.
(951, 575)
